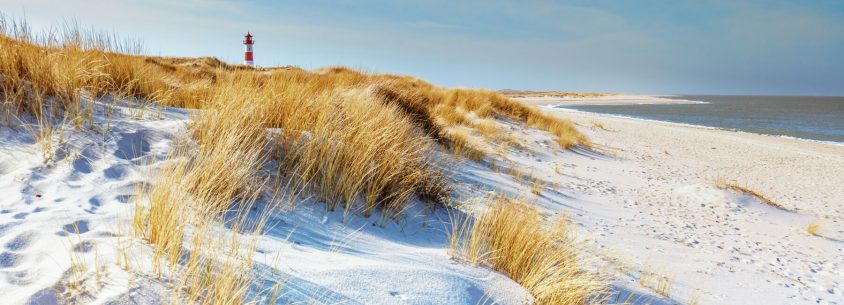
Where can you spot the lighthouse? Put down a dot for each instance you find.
(247, 57)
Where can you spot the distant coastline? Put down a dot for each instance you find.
(599, 99)
(686, 125)
(815, 119)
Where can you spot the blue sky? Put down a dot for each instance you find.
(717, 47)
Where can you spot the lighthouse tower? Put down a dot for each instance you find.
(247, 59)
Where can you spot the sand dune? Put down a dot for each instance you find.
(73, 213)
(646, 200)
(648, 195)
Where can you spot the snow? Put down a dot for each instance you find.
(647, 196)
(83, 198)
(642, 200)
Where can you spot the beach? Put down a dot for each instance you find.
(609, 99)
(422, 153)
(652, 195)
(645, 200)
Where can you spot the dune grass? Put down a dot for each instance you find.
(695, 298)
(537, 186)
(203, 188)
(737, 187)
(441, 108)
(353, 140)
(347, 135)
(513, 238)
(814, 228)
(660, 283)
(347, 146)
(598, 124)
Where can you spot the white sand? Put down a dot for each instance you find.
(647, 196)
(319, 258)
(734, 248)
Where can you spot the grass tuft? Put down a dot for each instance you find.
(513, 238)
(814, 228)
(736, 187)
(353, 140)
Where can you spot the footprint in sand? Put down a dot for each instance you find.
(6, 226)
(83, 247)
(132, 145)
(44, 297)
(116, 171)
(82, 165)
(78, 227)
(124, 198)
(9, 260)
(20, 242)
(94, 203)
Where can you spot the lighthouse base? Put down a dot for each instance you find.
(249, 63)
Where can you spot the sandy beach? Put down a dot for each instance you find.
(648, 195)
(611, 99)
(645, 200)
(422, 153)
(732, 247)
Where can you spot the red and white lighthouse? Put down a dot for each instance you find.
(247, 57)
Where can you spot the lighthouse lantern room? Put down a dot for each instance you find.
(247, 59)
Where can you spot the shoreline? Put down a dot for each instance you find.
(650, 194)
(619, 116)
(664, 135)
(614, 99)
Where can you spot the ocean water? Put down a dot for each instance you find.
(806, 117)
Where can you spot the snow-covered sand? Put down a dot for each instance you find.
(72, 204)
(664, 210)
(78, 206)
(645, 198)
(647, 195)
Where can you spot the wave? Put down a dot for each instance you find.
(808, 140)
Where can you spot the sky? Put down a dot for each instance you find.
(650, 46)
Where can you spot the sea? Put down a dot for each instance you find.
(815, 118)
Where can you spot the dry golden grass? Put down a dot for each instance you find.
(558, 168)
(353, 140)
(440, 108)
(537, 186)
(341, 140)
(181, 211)
(78, 267)
(663, 286)
(660, 284)
(736, 187)
(512, 237)
(487, 127)
(695, 298)
(345, 144)
(464, 144)
(326, 118)
(598, 124)
(814, 228)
